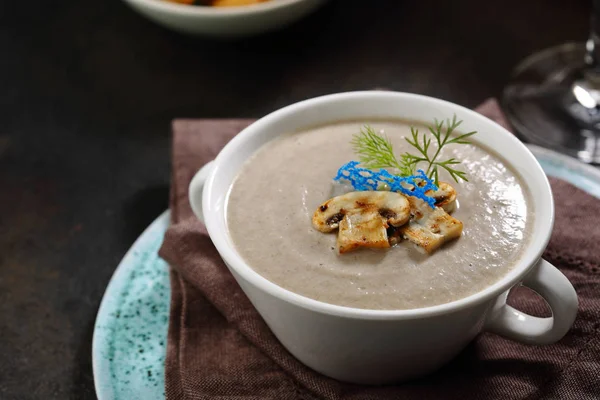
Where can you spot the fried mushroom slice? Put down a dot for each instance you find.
(429, 227)
(445, 196)
(392, 206)
(362, 218)
(362, 229)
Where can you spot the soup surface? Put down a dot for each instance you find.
(272, 200)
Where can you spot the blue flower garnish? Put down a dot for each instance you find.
(363, 179)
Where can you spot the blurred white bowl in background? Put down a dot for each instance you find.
(224, 21)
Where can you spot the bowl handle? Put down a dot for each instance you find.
(197, 187)
(559, 294)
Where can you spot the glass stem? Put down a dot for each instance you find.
(592, 55)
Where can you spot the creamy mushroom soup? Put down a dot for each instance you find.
(274, 196)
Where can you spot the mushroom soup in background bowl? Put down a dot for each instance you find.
(382, 315)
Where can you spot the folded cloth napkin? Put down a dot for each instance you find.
(219, 346)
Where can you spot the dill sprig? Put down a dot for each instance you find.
(376, 151)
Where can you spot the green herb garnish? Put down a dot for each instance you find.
(376, 151)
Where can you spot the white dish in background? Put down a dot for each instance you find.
(142, 278)
(227, 22)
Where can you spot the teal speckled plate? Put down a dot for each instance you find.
(569, 169)
(130, 335)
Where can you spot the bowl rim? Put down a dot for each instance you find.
(242, 270)
(218, 12)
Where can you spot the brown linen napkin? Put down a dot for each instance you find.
(219, 346)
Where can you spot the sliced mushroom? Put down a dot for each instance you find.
(362, 229)
(362, 218)
(445, 196)
(429, 228)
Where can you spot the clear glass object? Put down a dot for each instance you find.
(553, 97)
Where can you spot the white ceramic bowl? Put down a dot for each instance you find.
(227, 22)
(384, 346)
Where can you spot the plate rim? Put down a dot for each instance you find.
(573, 163)
(98, 362)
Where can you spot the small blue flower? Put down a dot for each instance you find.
(363, 179)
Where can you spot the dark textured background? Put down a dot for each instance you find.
(87, 92)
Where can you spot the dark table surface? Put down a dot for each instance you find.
(87, 93)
